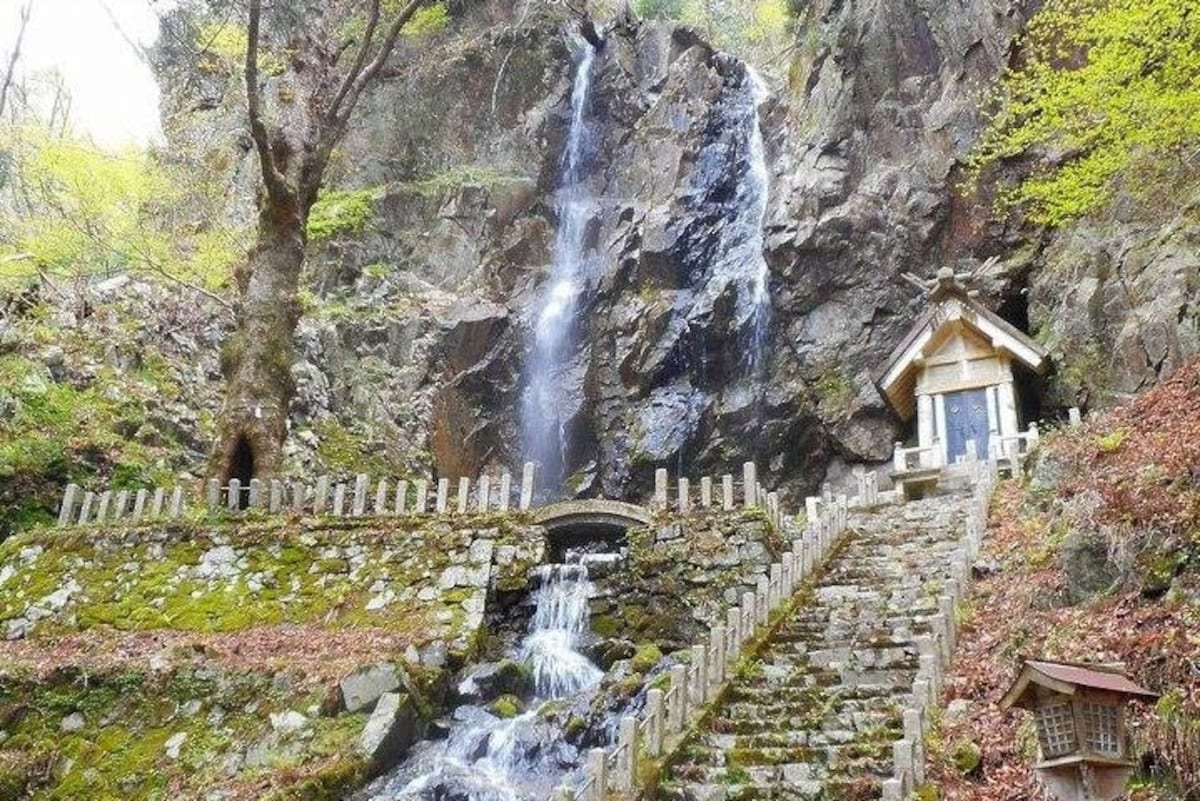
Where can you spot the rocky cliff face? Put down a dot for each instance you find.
(419, 333)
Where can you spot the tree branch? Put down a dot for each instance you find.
(368, 73)
(16, 53)
(359, 60)
(275, 182)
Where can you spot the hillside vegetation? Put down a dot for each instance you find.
(1096, 557)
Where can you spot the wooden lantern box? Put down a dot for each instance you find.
(1079, 712)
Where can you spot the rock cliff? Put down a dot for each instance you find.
(420, 326)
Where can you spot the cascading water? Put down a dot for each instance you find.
(485, 758)
(753, 195)
(741, 260)
(545, 413)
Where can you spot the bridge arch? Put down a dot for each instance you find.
(571, 523)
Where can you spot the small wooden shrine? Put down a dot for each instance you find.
(954, 373)
(1079, 711)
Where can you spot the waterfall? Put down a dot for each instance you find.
(741, 261)
(485, 758)
(753, 195)
(559, 670)
(545, 405)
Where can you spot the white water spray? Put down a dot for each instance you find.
(488, 759)
(544, 412)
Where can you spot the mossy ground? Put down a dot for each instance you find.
(125, 724)
(146, 650)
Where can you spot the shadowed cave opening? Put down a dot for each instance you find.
(1030, 387)
(584, 538)
(241, 467)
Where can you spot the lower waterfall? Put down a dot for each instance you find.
(487, 758)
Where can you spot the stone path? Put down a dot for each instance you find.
(817, 716)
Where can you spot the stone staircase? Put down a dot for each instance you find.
(817, 714)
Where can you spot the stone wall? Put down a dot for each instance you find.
(678, 576)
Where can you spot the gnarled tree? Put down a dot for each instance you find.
(327, 52)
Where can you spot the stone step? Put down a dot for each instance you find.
(858, 789)
(745, 692)
(809, 778)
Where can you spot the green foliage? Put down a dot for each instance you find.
(53, 433)
(1113, 441)
(661, 9)
(78, 210)
(506, 706)
(427, 20)
(225, 43)
(1111, 90)
(340, 212)
(747, 27)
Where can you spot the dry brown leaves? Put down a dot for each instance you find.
(1146, 481)
(315, 653)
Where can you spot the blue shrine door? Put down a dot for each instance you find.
(966, 419)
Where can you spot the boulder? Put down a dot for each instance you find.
(490, 681)
(1087, 564)
(362, 688)
(393, 728)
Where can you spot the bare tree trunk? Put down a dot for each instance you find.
(257, 358)
(15, 55)
(293, 151)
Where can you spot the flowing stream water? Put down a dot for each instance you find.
(545, 412)
(486, 758)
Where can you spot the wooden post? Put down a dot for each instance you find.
(626, 771)
(360, 495)
(749, 483)
(677, 708)
(401, 497)
(66, 511)
(464, 494)
(156, 503)
(321, 496)
(716, 649)
(597, 768)
(85, 510)
(298, 493)
(176, 503)
(656, 717)
(727, 492)
(234, 501)
(526, 486)
(339, 500)
(214, 493)
(706, 492)
(381, 497)
(255, 497)
(505, 491)
(422, 503)
(684, 496)
(775, 586)
(276, 502)
(483, 499)
(443, 495)
(733, 627)
(762, 593)
(102, 510)
(660, 488)
(699, 675)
